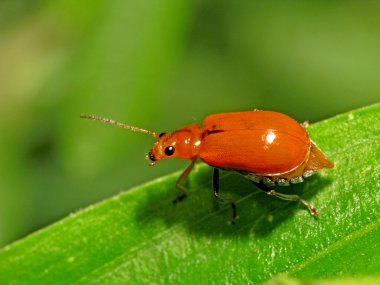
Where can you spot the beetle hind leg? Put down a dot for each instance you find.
(288, 197)
(215, 185)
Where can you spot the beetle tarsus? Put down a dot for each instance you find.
(215, 185)
(180, 198)
(234, 213)
(313, 211)
(180, 180)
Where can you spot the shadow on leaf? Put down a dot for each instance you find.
(259, 214)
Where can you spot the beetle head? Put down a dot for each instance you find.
(183, 143)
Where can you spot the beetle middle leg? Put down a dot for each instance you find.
(215, 185)
(288, 197)
(181, 179)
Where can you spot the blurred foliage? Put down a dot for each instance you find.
(158, 65)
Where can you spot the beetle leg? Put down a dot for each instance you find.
(288, 197)
(215, 185)
(305, 124)
(181, 179)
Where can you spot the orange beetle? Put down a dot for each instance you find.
(268, 148)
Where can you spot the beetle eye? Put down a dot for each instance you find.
(169, 150)
(160, 135)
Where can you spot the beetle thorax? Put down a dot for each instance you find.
(183, 143)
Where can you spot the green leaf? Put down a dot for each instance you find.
(284, 280)
(140, 237)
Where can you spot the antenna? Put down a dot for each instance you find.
(122, 125)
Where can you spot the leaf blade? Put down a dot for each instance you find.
(139, 236)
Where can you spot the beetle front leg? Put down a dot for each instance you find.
(215, 185)
(288, 197)
(181, 179)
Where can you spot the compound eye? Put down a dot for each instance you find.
(169, 150)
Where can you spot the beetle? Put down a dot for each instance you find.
(269, 148)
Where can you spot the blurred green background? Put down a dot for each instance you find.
(158, 65)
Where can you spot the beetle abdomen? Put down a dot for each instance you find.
(274, 180)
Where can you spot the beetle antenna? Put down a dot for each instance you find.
(122, 125)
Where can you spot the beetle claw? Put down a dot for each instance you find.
(233, 222)
(313, 211)
(180, 198)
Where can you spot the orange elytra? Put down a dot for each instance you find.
(268, 148)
